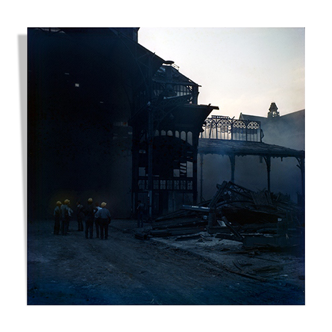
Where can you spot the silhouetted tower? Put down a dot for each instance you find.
(273, 111)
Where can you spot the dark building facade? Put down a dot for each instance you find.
(108, 119)
(165, 136)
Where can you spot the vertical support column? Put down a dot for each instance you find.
(150, 139)
(195, 192)
(150, 156)
(301, 167)
(201, 191)
(195, 95)
(268, 167)
(232, 160)
(135, 173)
(302, 202)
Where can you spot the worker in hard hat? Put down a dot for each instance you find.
(89, 213)
(104, 216)
(66, 213)
(57, 217)
(97, 221)
(79, 216)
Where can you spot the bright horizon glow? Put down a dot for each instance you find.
(240, 70)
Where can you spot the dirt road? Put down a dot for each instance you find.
(71, 270)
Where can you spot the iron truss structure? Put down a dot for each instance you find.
(223, 127)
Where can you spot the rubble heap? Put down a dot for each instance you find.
(257, 219)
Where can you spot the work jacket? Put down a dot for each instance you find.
(80, 211)
(90, 211)
(66, 211)
(103, 213)
(57, 212)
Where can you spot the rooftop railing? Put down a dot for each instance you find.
(226, 128)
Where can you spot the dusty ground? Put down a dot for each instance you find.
(69, 270)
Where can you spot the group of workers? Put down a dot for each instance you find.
(92, 214)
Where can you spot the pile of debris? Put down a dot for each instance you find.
(257, 219)
(249, 207)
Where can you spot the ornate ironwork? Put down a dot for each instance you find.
(223, 127)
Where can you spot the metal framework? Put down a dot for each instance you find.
(223, 127)
(166, 129)
(233, 148)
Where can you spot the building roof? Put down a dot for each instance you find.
(263, 119)
(242, 148)
(175, 114)
(176, 77)
(251, 117)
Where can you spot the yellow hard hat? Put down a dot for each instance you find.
(58, 203)
(103, 204)
(66, 201)
(90, 200)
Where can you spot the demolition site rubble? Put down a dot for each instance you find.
(257, 219)
(258, 235)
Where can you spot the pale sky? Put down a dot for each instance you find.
(239, 69)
